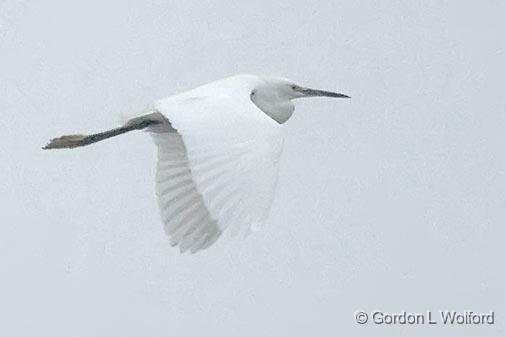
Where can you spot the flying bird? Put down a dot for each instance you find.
(219, 147)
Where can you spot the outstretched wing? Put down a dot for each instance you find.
(185, 216)
(219, 169)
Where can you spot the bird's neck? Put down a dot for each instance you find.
(279, 110)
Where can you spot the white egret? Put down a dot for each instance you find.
(218, 152)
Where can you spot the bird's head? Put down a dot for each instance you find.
(274, 96)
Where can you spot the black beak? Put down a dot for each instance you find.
(314, 92)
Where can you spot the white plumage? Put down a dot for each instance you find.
(219, 147)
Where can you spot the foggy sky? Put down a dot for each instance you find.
(393, 200)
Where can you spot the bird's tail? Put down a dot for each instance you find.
(72, 141)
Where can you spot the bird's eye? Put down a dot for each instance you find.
(252, 93)
(294, 87)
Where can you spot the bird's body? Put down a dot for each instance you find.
(219, 147)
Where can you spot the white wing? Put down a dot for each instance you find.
(219, 170)
(185, 216)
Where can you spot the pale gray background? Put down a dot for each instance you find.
(394, 200)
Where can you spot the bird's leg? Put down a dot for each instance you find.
(71, 141)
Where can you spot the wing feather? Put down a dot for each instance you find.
(217, 168)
